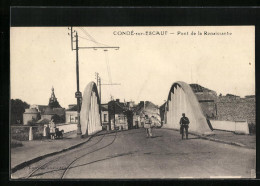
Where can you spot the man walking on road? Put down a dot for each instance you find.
(147, 126)
(184, 122)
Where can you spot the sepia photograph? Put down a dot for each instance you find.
(132, 102)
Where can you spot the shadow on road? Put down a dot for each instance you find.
(156, 136)
(192, 138)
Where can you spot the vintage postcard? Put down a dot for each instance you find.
(162, 102)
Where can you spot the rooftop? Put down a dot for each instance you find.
(198, 88)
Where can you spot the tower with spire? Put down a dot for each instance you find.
(53, 102)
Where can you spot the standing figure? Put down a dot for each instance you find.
(184, 123)
(44, 132)
(52, 129)
(147, 126)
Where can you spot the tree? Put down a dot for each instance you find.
(17, 109)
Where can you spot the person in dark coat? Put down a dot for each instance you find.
(184, 122)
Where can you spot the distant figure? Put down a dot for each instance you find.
(153, 120)
(59, 134)
(184, 122)
(147, 126)
(52, 129)
(44, 131)
(48, 132)
(142, 120)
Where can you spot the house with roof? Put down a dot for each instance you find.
(45, 112)
(207, 99)
(31, 114)
(120, 115)
(146, 108)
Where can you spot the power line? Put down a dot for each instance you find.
(92, 41)
(91, 38)
(108, 68)
(87, 34)
(78, 94)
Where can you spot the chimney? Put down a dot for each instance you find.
(117, 100)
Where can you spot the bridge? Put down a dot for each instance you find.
(90, 115)
(181, 99)
(130, 154)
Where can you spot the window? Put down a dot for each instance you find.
(105, 117)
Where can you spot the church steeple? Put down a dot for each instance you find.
(53, 98)
(53, 102)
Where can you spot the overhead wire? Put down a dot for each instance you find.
(91, 38)
(92, 41)
(108, 68)
(87, 33)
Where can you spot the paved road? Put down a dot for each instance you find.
(129, 154)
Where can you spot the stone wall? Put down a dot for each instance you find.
(236, 108)
(209, 109)
(21, 133)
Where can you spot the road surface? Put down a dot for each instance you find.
(130, 154)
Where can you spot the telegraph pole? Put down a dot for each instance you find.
(97, 77)
(100, 89)
(98, 84)
(78, 94)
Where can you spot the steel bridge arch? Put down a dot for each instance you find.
(181, 99)
(90, 114)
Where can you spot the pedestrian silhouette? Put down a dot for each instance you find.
(184, 124)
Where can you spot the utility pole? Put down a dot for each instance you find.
(78, 94)
(98, 84)
(100, 89)
(97, 77)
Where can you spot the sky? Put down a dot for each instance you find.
(145, 66)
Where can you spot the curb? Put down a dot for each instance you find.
(29, 162)
(216, 140)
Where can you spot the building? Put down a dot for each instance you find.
(235, 108)
(46, 112)
(226, 108)
(104, 116)
(30, 115)
(40, 108)
(207, 99)
(71, 114)
(120, 116)
(162, 112)
(146, 108)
